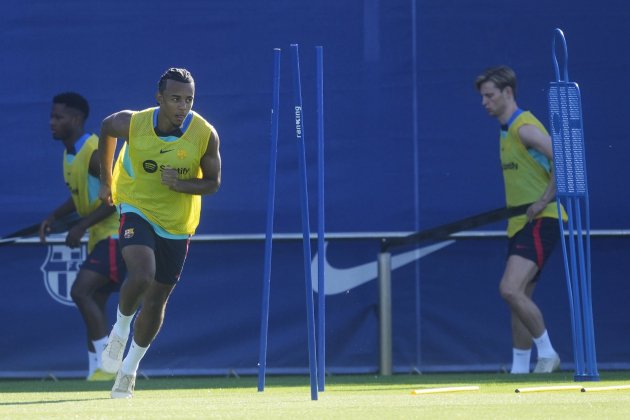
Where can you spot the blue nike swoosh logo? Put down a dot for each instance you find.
(339, 280)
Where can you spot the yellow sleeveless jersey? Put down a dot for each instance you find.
(141, 186)
(526, 172)
(76, 174)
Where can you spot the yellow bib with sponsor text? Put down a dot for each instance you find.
(526, 173)
(138, 181)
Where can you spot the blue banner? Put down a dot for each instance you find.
(408, 147)
(213, 317)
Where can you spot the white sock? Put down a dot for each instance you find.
(122, 327)
(99, 346)
(520, 360)
(544, 347)
(92, 362)
(132, 360)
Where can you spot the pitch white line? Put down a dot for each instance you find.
(548, 388)
(605, 388)
(445, 389)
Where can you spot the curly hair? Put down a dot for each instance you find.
(73, 100)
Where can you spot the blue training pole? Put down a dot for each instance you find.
(306, 231)
(321, 295)
(273, 158)
(565, 112)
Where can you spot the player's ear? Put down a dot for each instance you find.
(77, 120)
(158, 98)
(509, 91)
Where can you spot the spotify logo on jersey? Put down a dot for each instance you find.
(150, 166)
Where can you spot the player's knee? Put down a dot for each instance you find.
(140, 280)
(77, 293)
(509, 294)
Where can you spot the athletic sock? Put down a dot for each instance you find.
(92, 362)
(132, 360)
(99, 346)
(122, 327)
(544, 347)
(520, 360)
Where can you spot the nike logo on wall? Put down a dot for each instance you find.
(166, 151)
(339, 280)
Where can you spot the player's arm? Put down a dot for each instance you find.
(73, 239)
(532, 137)
(113, 127)
(63, 210)
(210, 180)
(76, 232)
(94, 167)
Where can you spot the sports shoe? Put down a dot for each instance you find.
(101, 375)
(112, 356)
(547, 364)
(124, 385)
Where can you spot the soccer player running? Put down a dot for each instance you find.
(526, 159)
(103, 270)
(170, 158)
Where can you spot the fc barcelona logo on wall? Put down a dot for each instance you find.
(60, 270)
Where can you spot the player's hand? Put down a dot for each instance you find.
(73, 239)
(105, 194)
(535, 209)
(44, 228)
(170, 178)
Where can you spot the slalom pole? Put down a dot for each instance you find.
(321, 294)
(306, 240)
(273, 158)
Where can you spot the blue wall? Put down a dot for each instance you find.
(113, 52)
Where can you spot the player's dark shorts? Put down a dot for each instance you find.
(107, 260)
(170, 254)
(536, 240)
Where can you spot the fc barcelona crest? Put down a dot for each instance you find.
(60, 270)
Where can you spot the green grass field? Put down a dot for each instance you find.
(346, 397)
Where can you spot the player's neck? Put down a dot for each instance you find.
(510, 109)
(163, 124)
(72, 140)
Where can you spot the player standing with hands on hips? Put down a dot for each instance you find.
(170, 158)
(526, 159)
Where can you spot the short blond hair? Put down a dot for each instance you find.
(501, 76)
